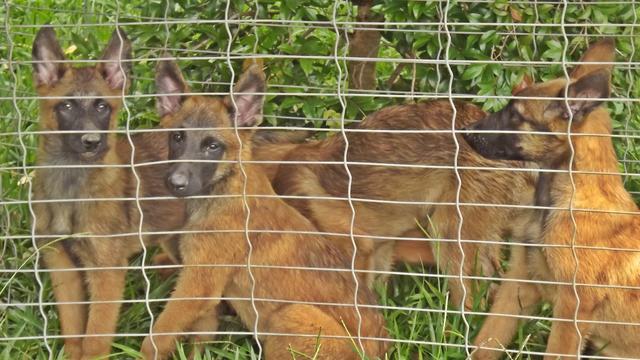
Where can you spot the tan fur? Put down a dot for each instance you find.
(594, 192)
(86, 221)
(597, 192)
(304, 287)
(393, 183)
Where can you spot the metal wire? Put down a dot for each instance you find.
(454, 116)
(345, 155)
(147, 288)
(245, 179)
(630, 77)
(34, 243)
(574, 231)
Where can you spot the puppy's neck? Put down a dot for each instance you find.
(226, 195)
(598, 184)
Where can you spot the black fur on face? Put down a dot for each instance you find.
(197, 177)
(532, 116)
(87, 115)
(504, 146)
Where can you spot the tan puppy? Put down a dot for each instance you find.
(294, 298)
(604, 213)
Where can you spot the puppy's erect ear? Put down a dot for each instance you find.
(591, 88)
(247, 98)
(115, 71)
(601, 51)
(46, 51)
(247, 63)
(525, 83)
(171, 85)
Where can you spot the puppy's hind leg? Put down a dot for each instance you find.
(414, 251)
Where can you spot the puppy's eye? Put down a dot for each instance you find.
(212, 146)
(102, 106)
(177, 136)
(65, 106)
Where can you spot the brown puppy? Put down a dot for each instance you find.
(295, 301)
(81, 161)
(604, 210)
(415, 182)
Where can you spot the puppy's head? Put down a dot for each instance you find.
(81, 99)
(545, 108)
(204, 141)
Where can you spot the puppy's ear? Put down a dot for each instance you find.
(248, 97)
(170, 86)
(601, 51)
(525, 83)
(115, 71)
(47, 54)
(590, 88)
(247, 63)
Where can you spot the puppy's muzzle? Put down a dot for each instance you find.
(91, 141)
(178, 181)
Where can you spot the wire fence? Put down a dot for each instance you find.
(402, 231)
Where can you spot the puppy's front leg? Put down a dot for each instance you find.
(564, 338)
(191, 300)
(69, 292)
(206, 326)
(512, 298)
(106, 288)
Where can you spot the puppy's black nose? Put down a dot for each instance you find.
(91, 141)
(178, 181)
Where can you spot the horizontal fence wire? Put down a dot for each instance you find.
(316, 96)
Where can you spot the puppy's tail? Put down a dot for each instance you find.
(265, 136)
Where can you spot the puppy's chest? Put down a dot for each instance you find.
(63, 183)
(62, 219)
(550, 200)
(71, 205)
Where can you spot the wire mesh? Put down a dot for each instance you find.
(471, 51)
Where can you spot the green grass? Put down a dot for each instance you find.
(416, 311)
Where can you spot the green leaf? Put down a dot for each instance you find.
(473, 71)
(306, 65)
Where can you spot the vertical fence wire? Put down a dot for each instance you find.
(436, 251)
(533, 29)
(440, 46)
(25, 172)
(245, 203)
(345, 158)
(574, 224)
(456, 155)
(132, 162)
(629, 142)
